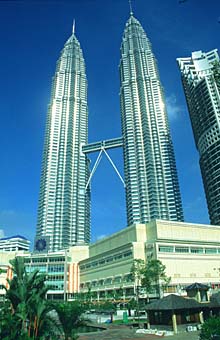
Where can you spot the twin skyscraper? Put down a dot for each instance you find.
(150, 175)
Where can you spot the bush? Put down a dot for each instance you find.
(210, 328)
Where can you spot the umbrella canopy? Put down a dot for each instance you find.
(173, 302)
(198, 286)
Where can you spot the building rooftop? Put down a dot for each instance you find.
(12, 237)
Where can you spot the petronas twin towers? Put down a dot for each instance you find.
(64, 205)
(151, 183)
(152, 189)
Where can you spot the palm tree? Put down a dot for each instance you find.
(27, 310)
(70, 317)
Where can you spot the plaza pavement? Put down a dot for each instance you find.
(124, 332)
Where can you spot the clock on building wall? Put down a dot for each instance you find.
(41, 244)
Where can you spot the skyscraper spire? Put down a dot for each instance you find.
(64, 206)
(73, 29)
(130, 4)
(152, 188)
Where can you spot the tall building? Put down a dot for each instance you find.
(152, 189)
(64, 206)
(201, 82)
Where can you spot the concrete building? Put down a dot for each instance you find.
(190, 252)
(152, 188)
(14, 243)
(201, 82)
(64, 205)
(60, 268)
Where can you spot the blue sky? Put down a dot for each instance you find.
(32, 34)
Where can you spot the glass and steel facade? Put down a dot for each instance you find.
(201, 82)
(152, 189)
(64, 206)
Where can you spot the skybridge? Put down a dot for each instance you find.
(101, 147)
(106, 144)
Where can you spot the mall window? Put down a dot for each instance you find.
(197, 250)
(182, 249)
(166, 249)
(210, 250)
(108, 281)
(127, 254)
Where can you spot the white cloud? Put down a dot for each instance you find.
(2, 234)
(100, 237)
(173, 108)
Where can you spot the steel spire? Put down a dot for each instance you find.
(73, 29)
(130, 4)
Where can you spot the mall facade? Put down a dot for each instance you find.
(190, 252)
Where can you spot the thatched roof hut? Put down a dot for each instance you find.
(173, 302)
(173, 309)
(198, 286)
(198, 291)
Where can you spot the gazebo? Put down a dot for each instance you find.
(198, 291)
(174, 309)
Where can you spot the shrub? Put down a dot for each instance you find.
(210, 328)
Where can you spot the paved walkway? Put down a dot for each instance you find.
(121, 333)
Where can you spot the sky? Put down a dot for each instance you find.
(32, 35)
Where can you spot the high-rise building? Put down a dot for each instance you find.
(201, 82)
(152, 189)
(64, 206)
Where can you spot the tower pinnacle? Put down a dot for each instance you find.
(73, 29)
(130, 4)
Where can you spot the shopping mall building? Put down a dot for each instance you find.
(190, 252)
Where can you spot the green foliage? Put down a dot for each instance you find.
(26, 314)
(154, 276)
(132, 304)
(209, 328)
(151, 275)
(117, 294)
(114, 294)
(137, 270)
(108, 306)
(70, 317)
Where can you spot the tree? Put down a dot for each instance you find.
(150, 275)
(132, 304)
(154, 276)
(26, 311)
(117, 294)
(109, 307)
(69, 314)
(137, 270)
(210, 328)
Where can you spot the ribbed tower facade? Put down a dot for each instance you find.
(64, 206)
(201, 81)
(152, 189)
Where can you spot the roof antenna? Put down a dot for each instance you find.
(131, 12)
(73, 30)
